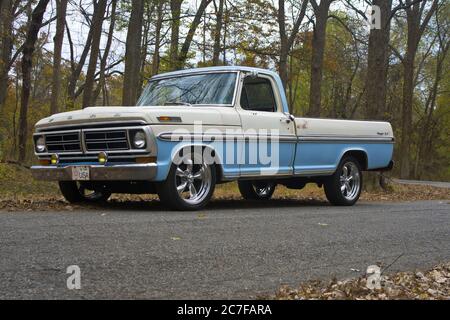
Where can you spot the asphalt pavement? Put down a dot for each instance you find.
(232, 249)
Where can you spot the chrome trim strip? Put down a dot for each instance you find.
(123, 172)
(344, 138)
(262, 175)
(314, 173)
(93, 123)
(168, 136)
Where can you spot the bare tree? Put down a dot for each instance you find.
(417, 20)
(131, 78)
(76, 67)
(104, 59)
(97, 23)
(61, 7)
(27, 64)
(318, 51)
(182, 55)
(287, 41)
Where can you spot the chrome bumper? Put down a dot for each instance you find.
(123, 172)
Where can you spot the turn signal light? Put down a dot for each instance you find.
(44, 162)
(169, 119)
(145, 159)
(54, 159)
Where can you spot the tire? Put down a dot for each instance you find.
(344, 187)
(189, 185)
(75, 192)
(256, 190)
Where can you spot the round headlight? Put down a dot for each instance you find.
(40, 144)
(139, 140)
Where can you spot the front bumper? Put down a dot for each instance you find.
(120, 172)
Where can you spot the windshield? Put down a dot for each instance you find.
(200, 89)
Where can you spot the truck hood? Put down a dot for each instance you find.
(149, 115)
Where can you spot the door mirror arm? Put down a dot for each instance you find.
(289, 116)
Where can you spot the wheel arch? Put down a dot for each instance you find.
(358, 154)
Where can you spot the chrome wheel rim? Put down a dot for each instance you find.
(350, 181)
(193, 179)
(263, 189)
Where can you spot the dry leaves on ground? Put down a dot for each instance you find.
(433, 284)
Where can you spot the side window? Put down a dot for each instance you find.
(257, 94)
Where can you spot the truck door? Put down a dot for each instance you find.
(269, 134)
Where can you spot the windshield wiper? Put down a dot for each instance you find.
(177, 103)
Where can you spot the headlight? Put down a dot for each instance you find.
(40, 144)
(139, 141)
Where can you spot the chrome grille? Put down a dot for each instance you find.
(69, 141)
(106, 140)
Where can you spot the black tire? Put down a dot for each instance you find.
(256, 190)
(336, 189)
(74, 192)
(172, 198)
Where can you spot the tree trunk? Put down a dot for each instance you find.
(217, 32)
(61, 6)
(97, 23)
(27, 64)
(6, 45)
(156, 57)
(377, 65)
(131, 76)
(282, 63)
(318, 50)
(175, 9)
(376, 78)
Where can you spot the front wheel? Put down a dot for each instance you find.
(344, 187)
(256, 190)
(76, 192)
(189, 185)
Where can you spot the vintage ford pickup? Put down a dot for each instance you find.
(193, 129)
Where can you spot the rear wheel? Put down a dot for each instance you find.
(76, 192)
(189, 185)
(344, 187)
(256, 190)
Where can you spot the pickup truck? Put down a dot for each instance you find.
(193, 129)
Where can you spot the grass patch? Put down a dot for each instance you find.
(20, 191)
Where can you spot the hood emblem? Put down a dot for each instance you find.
(92, 116)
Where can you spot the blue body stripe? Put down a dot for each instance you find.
(294, 158)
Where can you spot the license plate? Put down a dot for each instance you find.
(80, 173)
